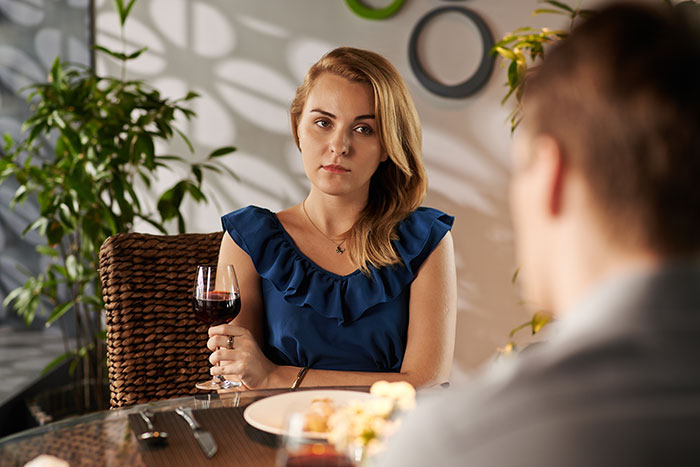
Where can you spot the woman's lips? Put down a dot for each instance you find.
(336, 169)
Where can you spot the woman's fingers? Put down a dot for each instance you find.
(244, 361)
(222, 341)
(227, 330)
(232, 362)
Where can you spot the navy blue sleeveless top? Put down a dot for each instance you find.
(325, 321)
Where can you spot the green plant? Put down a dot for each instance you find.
(523, 47)
(87, 142)
(539, 320)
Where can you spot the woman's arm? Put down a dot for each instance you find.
(250, 316)
(429, 349)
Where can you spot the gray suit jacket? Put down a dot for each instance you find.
(618, 384)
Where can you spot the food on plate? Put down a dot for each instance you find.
(316, 417)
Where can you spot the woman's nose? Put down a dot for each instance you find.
(340, 143)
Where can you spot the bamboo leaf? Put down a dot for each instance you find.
(72, 267)
(505, 53)
(513, 76)
(127, 10)
(186, 139)
(197, 172)
(55, 362)
(196, 193)
(12, 296)
(136, 54)
(190, 95)
(561, 5)
(539, 320)
(56, 72)
(221, 152)
(58, 312)
(47, 251)
(119, 5)
(117, 55)
(540, 11)
(228, 171)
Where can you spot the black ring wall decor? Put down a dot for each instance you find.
(473, 83)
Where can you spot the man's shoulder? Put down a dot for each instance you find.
(590, 402)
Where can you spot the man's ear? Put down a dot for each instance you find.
(550, 157)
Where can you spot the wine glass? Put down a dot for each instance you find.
(216, 300)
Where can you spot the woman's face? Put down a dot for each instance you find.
(338, 136)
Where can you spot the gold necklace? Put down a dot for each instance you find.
(338, 246)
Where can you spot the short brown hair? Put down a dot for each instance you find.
(622, 97)
(400, 183)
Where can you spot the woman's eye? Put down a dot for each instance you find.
(364, 130)
(322, 123)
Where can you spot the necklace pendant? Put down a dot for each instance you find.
(339, 250)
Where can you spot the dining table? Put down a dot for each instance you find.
(110, 437)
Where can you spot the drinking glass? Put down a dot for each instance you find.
(298, 450)
(216, 300)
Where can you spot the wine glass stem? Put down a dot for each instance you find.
(221, 378)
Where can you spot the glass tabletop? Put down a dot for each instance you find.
(106, 437)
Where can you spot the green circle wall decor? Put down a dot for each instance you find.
(473, 83)
(374, 13)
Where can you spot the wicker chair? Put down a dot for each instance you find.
(155, 347)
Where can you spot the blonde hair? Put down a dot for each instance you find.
(399, 185)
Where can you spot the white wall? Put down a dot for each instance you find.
(246, 59)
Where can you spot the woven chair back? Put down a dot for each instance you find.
(156, 349)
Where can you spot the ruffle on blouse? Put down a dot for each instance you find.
(304, 284)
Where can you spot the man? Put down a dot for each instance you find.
(606, 209)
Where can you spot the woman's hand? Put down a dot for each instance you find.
(245, 362)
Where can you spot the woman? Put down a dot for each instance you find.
(357, 282)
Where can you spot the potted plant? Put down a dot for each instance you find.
(89, 139)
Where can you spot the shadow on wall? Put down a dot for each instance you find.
(32, 34)
(246, 59)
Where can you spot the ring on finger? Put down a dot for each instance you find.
(229, 343)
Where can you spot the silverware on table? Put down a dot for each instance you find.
(151, 437)
(203, 437)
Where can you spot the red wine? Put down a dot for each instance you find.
(317, 455)
(324, 460)
(216, 307)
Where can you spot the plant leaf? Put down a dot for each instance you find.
(221, 152)
(540, 11)
(186, 139)
(539, 320)
(58, 312)
(47, 251)
(55, 362)
(117, 55)
(127, 10)
(136, 54)
(557, 4)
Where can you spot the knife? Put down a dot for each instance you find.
(203, 437)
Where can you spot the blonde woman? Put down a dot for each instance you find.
(357, 282)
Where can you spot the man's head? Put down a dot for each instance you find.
(614, 114)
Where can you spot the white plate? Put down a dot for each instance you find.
(269, 414)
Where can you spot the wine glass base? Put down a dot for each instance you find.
(215, 384)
